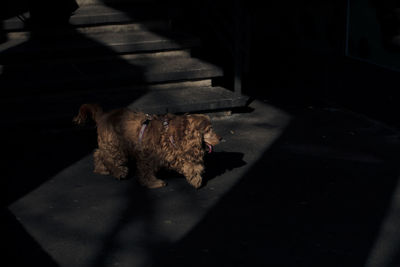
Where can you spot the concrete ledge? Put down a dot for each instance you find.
(101, 14)
(104, 73)
(58, 109)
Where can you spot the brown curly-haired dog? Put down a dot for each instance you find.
(171, 141)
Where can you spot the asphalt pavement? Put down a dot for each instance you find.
(309, 186)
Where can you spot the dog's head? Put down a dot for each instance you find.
(202, 124)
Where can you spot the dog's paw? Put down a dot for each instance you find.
(101, 169)
(102, 172)
(156, 184)
(152, 183)
(121, 172)
(196, 181)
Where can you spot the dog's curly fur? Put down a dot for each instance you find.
(177, 145)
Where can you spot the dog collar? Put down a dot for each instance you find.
(146, 123)
(144, 126)
(166, 124)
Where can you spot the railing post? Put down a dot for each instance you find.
(238, 58)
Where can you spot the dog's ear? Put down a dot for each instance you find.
(202, 122)
(177, 126)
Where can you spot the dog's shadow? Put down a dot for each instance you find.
(216, 164)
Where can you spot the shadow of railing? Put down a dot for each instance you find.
(37, 116)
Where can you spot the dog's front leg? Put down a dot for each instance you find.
(193, 174)
(146, 170)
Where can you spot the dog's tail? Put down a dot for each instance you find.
(93, 109)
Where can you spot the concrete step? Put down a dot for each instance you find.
(101, 14)
(106, 96)
(102, 73)
(113, 54)
(127, 12)
(155, 25)
(23, 48)
(112, 2)
(58, 110)
(188, 100)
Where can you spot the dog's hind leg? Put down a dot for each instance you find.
(111, 162)
(99, 166)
